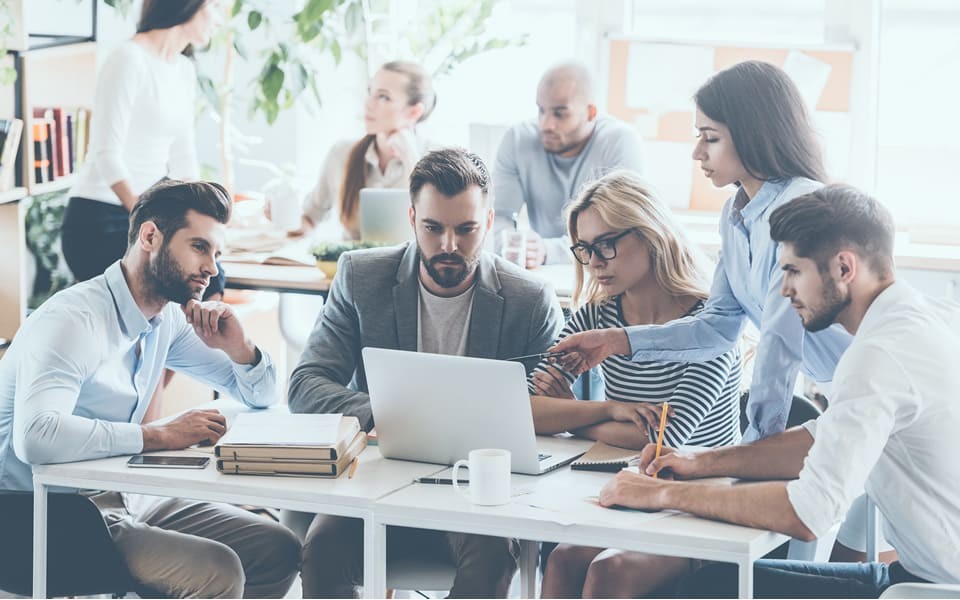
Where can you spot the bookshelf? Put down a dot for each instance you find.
(52, 71)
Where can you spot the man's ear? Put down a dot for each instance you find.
(591, 112)
(848, 263)
(413, 217)
(149, 238)
(490, 216)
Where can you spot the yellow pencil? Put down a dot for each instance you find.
(663, 424)
(353, 467)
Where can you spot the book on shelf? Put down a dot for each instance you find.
(41, 162)
(10, 134)
(45, 117)
(297, 468)
(251, 438)
(604, 457)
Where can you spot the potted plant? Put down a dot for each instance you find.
(327, 254)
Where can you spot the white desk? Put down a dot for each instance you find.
(544, 515)
(375, 477)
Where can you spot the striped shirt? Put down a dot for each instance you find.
(703, 395)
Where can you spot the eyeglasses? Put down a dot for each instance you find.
(606, 249)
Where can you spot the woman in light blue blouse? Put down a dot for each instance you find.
(753, 131)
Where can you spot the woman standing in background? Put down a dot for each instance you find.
(141, 131)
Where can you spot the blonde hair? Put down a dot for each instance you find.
(625, 201)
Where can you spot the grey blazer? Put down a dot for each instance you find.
(374, 301)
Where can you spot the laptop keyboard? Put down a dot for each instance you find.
(542, 457)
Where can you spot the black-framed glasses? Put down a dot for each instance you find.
(606, 249)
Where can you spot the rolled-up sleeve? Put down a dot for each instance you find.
(254, 385)
(871, 388)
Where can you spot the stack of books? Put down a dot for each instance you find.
(60, 140)
(293, 445)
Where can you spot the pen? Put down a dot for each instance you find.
(434, 480)
(663, 424)
(540, 356)
(353, 467)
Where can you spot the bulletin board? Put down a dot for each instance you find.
(651, 84)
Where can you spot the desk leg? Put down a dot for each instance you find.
(746, 579)
(529, 551)
(374, 558)
(39, 540)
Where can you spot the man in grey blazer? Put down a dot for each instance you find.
(442, 294)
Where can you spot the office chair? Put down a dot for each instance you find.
(802, 409)
(82, 559)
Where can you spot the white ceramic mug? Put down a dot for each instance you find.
(284, 209)
(489, 476)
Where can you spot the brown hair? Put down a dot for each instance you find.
(450, 171)
(167, 203)
(821, 223)
(164, 14)
(769, 124)
(419, 90)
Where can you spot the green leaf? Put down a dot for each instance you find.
(254, 18)
(353, 19)
(239, 46)
(314, 10)
(336, 51)
(272, 82)
(237, 7)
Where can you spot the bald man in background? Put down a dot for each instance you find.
(543, 163)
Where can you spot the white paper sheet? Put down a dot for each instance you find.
(664, 77)
(283, 429)
(810, 74)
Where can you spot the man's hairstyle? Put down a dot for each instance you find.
(450, 171)
(167, 203)
(821, 223)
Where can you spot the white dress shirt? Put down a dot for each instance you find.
(76, 381)
(892, 428)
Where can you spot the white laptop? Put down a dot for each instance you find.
(436, 408)
(384, 215)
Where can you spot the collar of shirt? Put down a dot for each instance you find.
(746, 211)
(132, 320)
(373, 160)
(894, 294)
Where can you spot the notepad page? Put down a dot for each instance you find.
(283, 429)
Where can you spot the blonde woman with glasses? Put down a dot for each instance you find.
(642, 270)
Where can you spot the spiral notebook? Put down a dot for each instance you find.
(604, 457)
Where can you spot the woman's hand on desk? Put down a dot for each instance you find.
(190, 428)
(645, 416)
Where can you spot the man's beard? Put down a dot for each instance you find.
(832, 302)
(449, 277)
(168, 281)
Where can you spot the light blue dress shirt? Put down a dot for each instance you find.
(747, 285)
(74, 386)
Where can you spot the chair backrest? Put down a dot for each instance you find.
(82, 558)
(802, 409)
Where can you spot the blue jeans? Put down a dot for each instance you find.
(797, 579)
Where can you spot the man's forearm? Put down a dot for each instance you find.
(761, 505)
(776, 457)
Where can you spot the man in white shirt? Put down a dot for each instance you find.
(891, 427)
(543, 163)
(79, 376)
